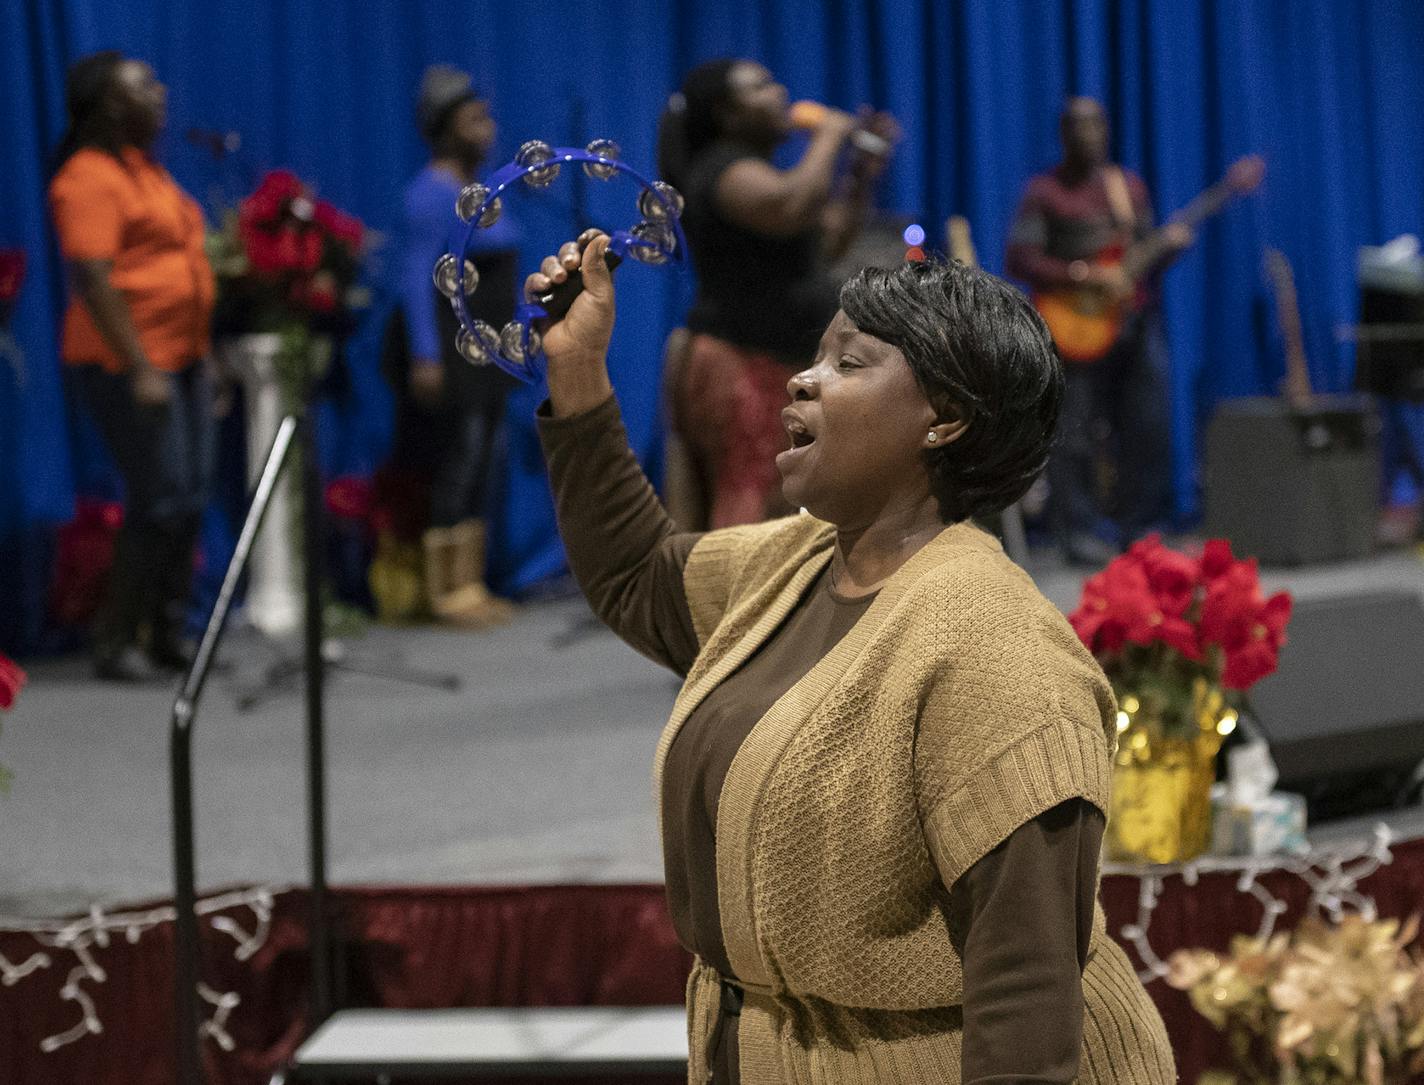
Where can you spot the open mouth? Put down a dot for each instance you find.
(797, 432)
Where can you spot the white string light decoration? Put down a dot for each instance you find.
(1332, 872)
(81, 936)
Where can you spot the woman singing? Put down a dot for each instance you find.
(760, 239)
(884, 782)
(136, 337)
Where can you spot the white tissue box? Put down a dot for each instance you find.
(1265, 826)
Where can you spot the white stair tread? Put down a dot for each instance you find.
(529, 1036)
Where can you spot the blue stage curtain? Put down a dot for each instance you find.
(1331, 92)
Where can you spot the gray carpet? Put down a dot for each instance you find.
(537, 770)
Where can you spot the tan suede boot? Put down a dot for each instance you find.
(469, 602)
(438, 549)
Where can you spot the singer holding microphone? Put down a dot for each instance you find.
(882, 788)
(761, 238)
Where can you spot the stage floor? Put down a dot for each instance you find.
(537, 771)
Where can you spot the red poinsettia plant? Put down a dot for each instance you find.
(1159, 619)
(12, 679)
(284, 256)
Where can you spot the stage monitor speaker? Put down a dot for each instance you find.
(1344, 713)
(1292, 487)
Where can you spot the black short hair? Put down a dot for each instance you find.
(87, 84)
(978, 348)
(691, 120)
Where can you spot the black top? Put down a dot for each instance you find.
(755, 291)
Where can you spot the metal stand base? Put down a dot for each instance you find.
(284, 673)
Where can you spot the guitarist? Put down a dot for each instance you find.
(1067, 218)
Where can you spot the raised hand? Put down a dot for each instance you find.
(577, 345)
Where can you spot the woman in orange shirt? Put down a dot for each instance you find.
(136, 339)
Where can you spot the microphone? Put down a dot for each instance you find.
(215, 141)
(810, 115)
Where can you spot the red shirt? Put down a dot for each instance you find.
(1058, 223)
(131, 212)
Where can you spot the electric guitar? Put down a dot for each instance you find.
(1086, 321)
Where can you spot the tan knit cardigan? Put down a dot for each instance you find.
(959, 707)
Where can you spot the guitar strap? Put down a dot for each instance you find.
(1119, 199)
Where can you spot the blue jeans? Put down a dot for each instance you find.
(1124, 395)
(165, 457)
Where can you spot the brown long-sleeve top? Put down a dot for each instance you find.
(1021, 917)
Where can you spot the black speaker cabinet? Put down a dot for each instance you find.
(1344, 713)
(1294, 487)
(1389, 354)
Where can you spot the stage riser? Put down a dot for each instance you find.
(1344, 713)
(538, 946)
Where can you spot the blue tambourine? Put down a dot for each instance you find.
(517, 348)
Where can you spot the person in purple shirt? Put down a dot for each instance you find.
(449, 413)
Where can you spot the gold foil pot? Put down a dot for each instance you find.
(1162, 775)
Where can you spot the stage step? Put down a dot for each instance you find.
(563, 1041)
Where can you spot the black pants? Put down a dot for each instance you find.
(165, 456)
(455, 444)
(1123, 395)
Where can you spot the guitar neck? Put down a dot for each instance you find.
(1150, 251)
(1297, 383)
(1211, 202)
(959, 241)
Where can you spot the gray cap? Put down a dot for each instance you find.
(442, 89)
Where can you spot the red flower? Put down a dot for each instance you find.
(261, 249)
(12, 273)
(1249, 628)
(1173, 575)
(1154, 595)
(272, 197)
(283, 183)
(84, 551)
(1180, 634)
(350, 498)
(1231, 603)
(347, 229)
(287, 250)
(1140, 598)
(259, 209)
(1216, 559)
(12, 680)
(1248, 666)
(1117, 607)
(270, 205)
(301, 252)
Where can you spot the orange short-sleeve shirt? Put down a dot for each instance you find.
(131, 212)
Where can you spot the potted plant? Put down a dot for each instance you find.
(1181, 637)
